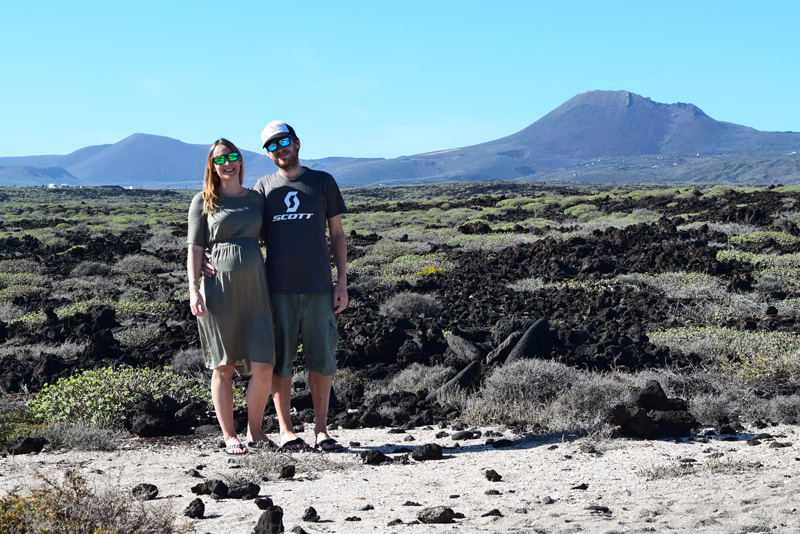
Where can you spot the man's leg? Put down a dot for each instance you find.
(257, 396)
(287, 333)
(282, 397)
(320, 336)
(320, 386)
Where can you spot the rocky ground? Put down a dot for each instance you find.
(517, 483)
(483, 324)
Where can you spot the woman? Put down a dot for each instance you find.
(232, 308)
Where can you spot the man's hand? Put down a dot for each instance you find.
(207, 269)
(339, 298)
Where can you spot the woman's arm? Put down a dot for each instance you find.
(194, 261)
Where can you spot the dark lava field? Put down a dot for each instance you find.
(578, 248)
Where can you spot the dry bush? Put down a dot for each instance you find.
(165, 240)
(527, 284)
(82, 437)
(259, 464)
(189, 362)
(416, 377)
(66, 350)
(139, 264)
(75, 506)
(90, 268)
(521, 393)
(138, 334)
(10, 312)
(409, 304)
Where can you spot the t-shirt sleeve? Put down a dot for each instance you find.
(198, 228)
(333, 199)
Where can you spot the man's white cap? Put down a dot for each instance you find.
(275, 129)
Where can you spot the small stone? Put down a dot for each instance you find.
(288, 471)
(263, 503)
(311, 515)
(146, 492)
(429, 451)
(492, 475)
(778, 445)
(243, 490)
(598, 509)
(493, 513)
(436, 515)
(352, 518)
(196, 509)
(373, 457)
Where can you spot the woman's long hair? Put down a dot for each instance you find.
(211, 180)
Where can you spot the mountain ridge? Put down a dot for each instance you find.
(607, 125)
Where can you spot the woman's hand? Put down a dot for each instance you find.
(197, 304)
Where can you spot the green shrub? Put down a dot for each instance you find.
(783, 239)
(137, 303)
(404, 268)
(752, 356)
(583, 212)
(101, 397)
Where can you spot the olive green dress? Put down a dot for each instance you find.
(237, 326)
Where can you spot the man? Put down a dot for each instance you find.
(300, 203)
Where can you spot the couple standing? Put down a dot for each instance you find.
(252, 323)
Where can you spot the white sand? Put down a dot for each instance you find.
(747, 489)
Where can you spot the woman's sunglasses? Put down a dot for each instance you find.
(283, 141)
(219, 160)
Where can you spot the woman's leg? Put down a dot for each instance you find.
(257, 396)
(222, 395)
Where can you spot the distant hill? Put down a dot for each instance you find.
(599, 125)
(598, 136)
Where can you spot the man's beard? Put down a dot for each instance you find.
(291, 161)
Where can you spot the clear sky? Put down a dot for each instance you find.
(374, 78)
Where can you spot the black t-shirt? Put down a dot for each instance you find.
(296, 214)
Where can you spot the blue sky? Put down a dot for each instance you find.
(377, 79)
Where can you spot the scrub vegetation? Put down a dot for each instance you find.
(106, 248)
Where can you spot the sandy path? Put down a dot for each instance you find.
(735, 487)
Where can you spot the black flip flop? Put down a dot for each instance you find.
(295, 445)
(329, 445)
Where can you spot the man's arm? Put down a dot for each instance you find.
(339, 249)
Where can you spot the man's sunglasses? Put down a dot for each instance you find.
(283, 141)
(219, 160)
